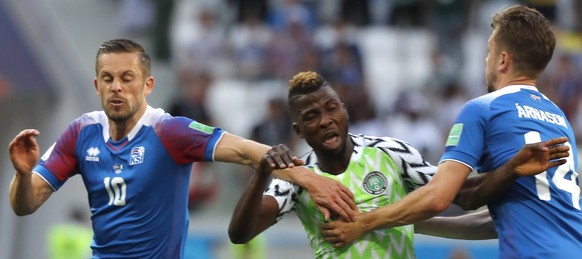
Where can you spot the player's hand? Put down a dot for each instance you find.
(538, 157)
(280, 157)
(340, 233)
(327, 194)
(24, 151)
(331, 196)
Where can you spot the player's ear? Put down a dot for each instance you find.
(96, 87)
(504, 61)
(149, 85)
(297, 130)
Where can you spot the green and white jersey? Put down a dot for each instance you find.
(381, 171)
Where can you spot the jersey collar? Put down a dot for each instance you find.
(516, 87)
(136, 128)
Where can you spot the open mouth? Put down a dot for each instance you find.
(116, 102)
(331, 138)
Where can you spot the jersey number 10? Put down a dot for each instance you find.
(116, 189)
(559, 177)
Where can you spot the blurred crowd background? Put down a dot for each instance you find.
(403, 68)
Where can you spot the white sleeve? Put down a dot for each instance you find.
(416, 171)
(286, 195)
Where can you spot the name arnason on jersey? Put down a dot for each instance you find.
(524, 111)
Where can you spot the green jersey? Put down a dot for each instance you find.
(381, 171)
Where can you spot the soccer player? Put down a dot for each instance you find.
(538, 216)
(379, 171)
(135, 163)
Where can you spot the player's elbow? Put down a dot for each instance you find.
(238, 239)
(238, 236)
(437, 207)
(19, 211)
(21, 214)
(438, 204)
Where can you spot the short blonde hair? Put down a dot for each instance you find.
(305, 82)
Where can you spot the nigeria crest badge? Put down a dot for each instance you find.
(375, 183)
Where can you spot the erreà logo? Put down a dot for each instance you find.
(92, 154)
(375, 183)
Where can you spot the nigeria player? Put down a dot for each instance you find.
(538, 216)
(135, 162)
(379, 171)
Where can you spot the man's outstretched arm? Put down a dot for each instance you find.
(328, 194)
(431, 199)
(421, 204)
(532, 159)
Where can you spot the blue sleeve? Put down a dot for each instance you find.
(466, 140)
(187, 140)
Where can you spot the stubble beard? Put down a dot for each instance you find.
(121, 115)
(490, 78)
(118, 116)
(490, 88)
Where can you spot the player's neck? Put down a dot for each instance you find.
(120, 129)
(332, 165)
(521, 80)
(336, 163)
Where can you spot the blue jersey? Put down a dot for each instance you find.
(137, 186)
(538, 217)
